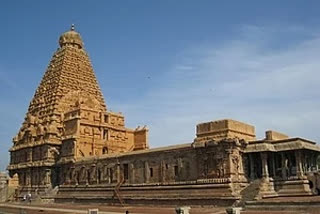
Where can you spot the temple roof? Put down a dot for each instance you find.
(281, 145)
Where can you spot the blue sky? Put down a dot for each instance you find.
(172, 64)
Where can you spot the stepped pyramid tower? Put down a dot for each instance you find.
(67, 120)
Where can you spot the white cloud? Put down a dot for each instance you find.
(255, 78)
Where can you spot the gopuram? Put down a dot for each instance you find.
(70, 148)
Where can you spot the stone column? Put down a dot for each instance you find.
(264, 165)
(298, 163)
(179, 164)
(131, 173)
(252, 176)
(283, 166)
(48, 177)
(162, 171)
(273, 165)
(229, 170)
(109, 178)
(146, 172)
(118, 172)
(73, 175)
(314, 160)
(28, 177)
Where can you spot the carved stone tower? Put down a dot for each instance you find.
(67, 120)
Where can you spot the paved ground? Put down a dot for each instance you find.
(286, 205)
(293, 199)
(75, 209)
(292, 205)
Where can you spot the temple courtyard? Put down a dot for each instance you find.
(295, 205)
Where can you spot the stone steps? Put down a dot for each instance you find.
(250, 192)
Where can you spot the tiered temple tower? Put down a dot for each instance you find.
(67, 119)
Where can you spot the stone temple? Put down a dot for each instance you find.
(70, 148)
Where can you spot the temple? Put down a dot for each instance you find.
(70, 148)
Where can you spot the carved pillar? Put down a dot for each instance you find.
(179, 164)
(94, 174)
(264, 164)
(162, 171)
(146, 172)
(118, 173)
(87, 176)
(48, 177)
(77, 176)
(229, 163)
(273, 161)
(109, 176)
(252, 173)
(298, 163)
(313, 166)
(62, 176)
(131, 174)
(283, 166)
(73, 175)
(28, 177)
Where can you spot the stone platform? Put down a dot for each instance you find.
(183, 193)
(306, 204)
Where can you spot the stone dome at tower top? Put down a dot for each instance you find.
(71, 37)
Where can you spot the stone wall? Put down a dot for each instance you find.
(182, 171)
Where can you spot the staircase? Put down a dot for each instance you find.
(117, 191)
(3, 193)
(46, 195)
(51, 191)
(250, 192)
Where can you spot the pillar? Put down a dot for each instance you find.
(29, 155)
(28, 177)
(229, 170)
(110, 175)
(47, 177)
(252, 173)
(162, 171)
(273, 161)
(118, 173)
(131, 173)
(180, 165)
(314, 163)
(298, 163)
(283, 166)
(73, 175)
(146, 172)
(264, 164)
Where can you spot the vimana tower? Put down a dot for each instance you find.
(68, 119)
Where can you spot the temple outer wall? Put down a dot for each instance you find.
(184, 172)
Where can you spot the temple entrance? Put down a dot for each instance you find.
(55, 178)
(254, 166)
